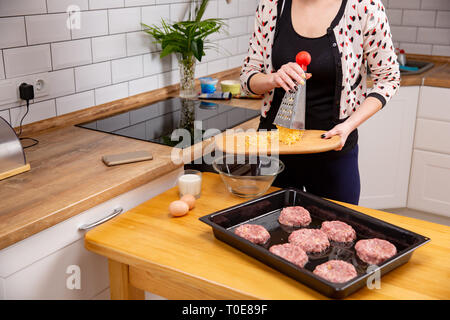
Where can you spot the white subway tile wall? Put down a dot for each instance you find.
(71, 53)
(12, 32)
(138, 43)
(55, 6)
(127, 69)
(106, 56)
(22, 7)
(420, 26)
(109, 47)
(92, 24)
(93, 76)
(27, 60)
(111, 93)
(142, 85)
(124, 20)
(38, 111)
(47, 28)
(61, 83)
(5, 115)
(75, 102)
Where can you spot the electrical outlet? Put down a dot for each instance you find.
(41, 86)
(40, 83)
(9, 89)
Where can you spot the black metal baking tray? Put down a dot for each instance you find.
(265, 211)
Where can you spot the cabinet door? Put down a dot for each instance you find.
(58, 275)
(429, 186)
(432, 135)
(385, 149)
(434, 104)
(36, 268)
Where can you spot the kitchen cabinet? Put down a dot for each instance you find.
(385, 150)
(54, 264)
(430, 172)
(429, 186)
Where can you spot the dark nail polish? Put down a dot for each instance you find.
(290, 91)
(296, 87)
(323, 135)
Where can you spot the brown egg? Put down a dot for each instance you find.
(178, 208)
(189, 199)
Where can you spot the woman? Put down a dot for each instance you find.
(342, 37)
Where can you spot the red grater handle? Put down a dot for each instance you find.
(303, 58)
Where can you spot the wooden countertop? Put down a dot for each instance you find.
(68, 177)
(179, 258)
(437, 76)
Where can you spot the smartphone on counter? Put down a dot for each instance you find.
(127, 157)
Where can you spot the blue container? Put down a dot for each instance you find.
(208, 84)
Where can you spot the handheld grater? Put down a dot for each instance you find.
(291, 113)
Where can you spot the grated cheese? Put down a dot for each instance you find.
(289, 136)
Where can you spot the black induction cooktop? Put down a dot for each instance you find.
(157, 121)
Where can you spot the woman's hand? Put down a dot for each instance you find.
(289, 76)
(343, 130)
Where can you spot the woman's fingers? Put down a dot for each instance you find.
(329, 134)
(290, 76)
(280, 82)
(295, 72)
(288, 81)
(336, 131)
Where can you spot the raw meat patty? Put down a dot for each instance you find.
(310, 240)
(253, 233)
(291, 253)
(336, 271)
(338, 231)
(295, 217)
(374, 251)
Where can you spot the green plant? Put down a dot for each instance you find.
(187, 38)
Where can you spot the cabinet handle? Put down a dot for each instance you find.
(116, 212)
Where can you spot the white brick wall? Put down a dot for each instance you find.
(420, 26)
(109, 47)
(71, 53)
(108, 57)
(13, 32)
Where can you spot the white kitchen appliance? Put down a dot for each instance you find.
(12, 156)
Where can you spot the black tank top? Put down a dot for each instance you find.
(320, 88)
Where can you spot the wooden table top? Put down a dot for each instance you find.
(147, 238)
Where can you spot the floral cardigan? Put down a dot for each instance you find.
(359, 37)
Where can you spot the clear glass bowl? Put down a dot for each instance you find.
(248, 176)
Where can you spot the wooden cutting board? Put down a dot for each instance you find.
(311, 142)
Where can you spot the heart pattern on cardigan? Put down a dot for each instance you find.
(362, 36)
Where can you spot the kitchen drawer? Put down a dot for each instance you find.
(429, 184)
(48, 277)
(432, 135)
(434, 103)
(53, 241)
